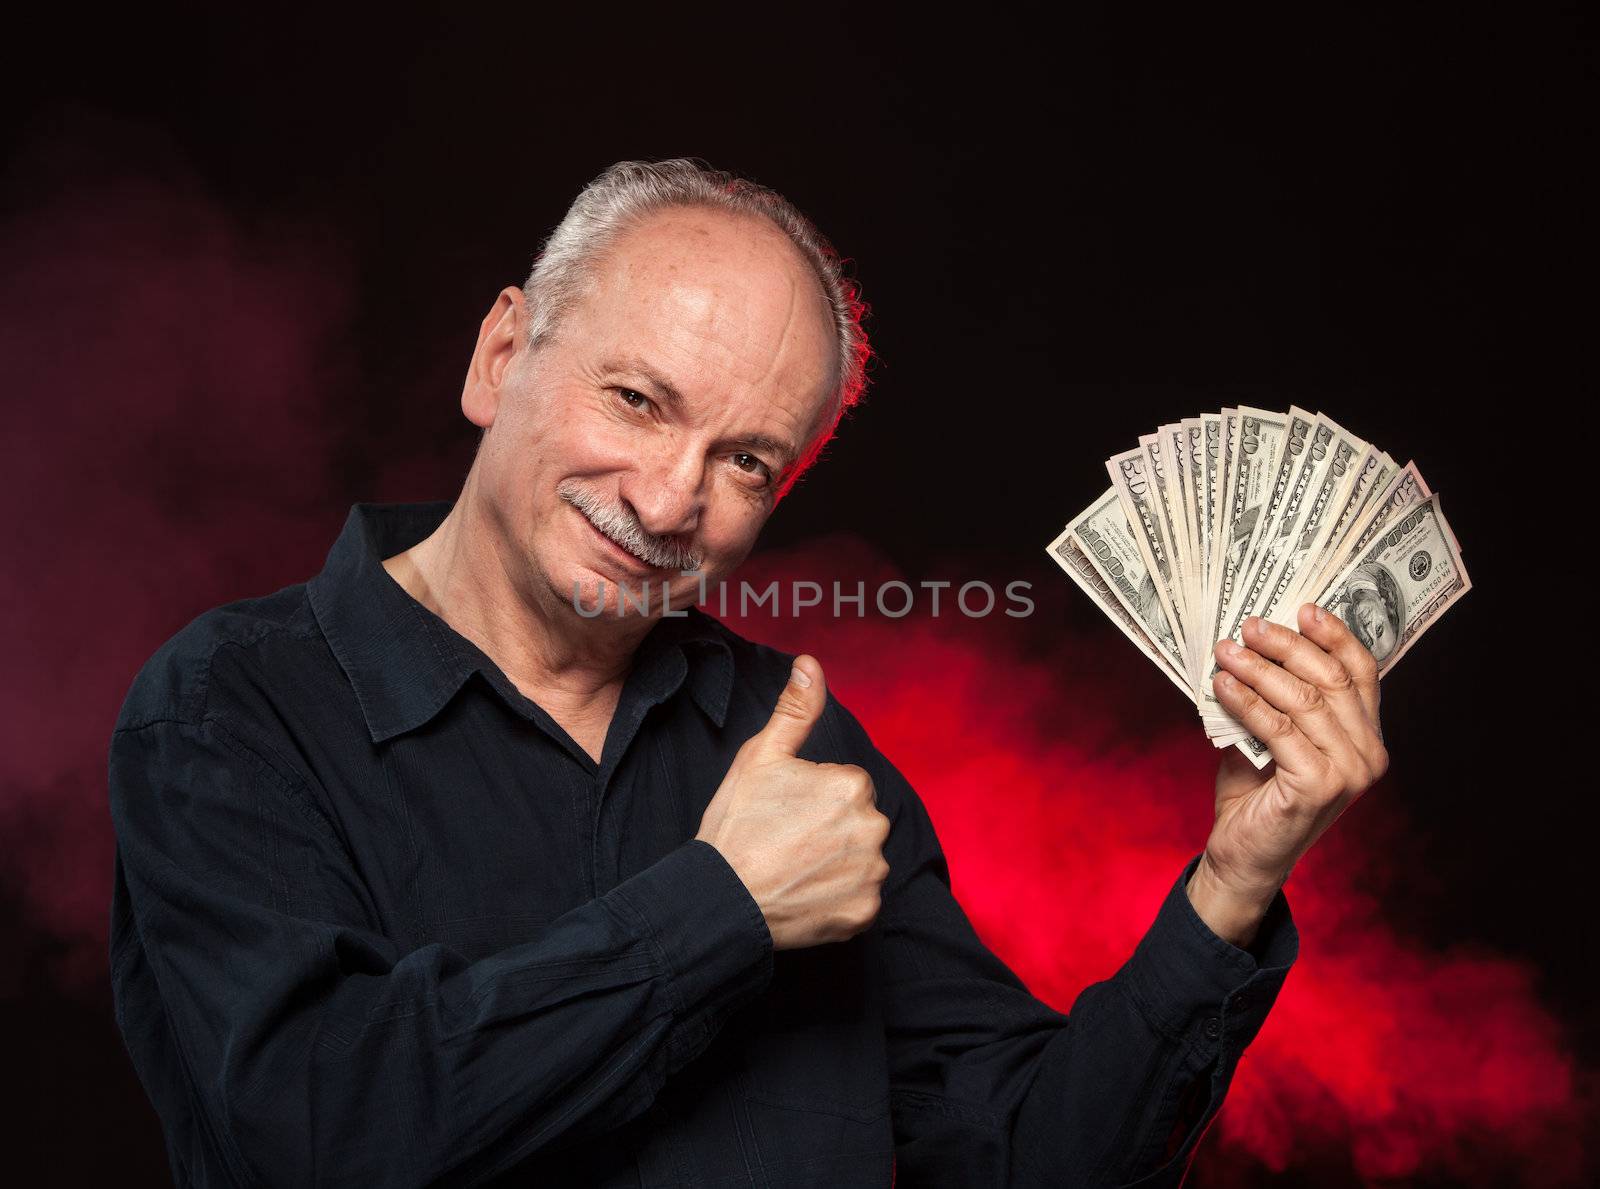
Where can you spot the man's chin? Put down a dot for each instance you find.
(593, 592)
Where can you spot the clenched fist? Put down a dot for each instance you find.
(806, 839)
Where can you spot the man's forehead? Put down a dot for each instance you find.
(711, 265)
(693, 292)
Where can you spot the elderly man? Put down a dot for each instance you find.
(426, 877)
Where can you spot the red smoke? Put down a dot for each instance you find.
(174, 408)
(178, 408)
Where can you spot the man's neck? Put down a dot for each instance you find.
(463, 574)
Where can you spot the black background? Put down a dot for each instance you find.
(1067, 235)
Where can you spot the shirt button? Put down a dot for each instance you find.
(1240, 1002)
(1213, 1028)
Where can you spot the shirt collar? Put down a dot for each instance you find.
(405, 662)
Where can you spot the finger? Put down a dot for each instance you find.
(1311, 664)
(1302, 701)
(797, 710)
(1294, 753)
(1329, 632)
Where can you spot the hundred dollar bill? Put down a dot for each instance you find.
(1227, 446)
(1164, 478)
(1193, 503)
(1308, 527)
(1405, 489)
(1175, 454)
(1318, 482)
(1373, 474)
(1399, 585)
(1176, 438)
(1255, 446)
(1227, 433)
(1140, 507)
(1316, 453)
(1071, 558)
(1392, 592)
(1110, 545)
(1317, 460)
(1128, 597)
(1299, 437)
(1209, 485)
(1233, 449)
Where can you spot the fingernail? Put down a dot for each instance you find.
(1318, 615)
(799, 677)
(1229, 648)
(1226, 679)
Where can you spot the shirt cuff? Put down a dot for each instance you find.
(706, 929)
(1193, 986)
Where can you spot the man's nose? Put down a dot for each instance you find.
(665, 488)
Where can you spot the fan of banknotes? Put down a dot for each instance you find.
(1248, 512)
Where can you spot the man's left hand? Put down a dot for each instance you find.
(1312, 697)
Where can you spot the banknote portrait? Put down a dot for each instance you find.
(1150, 610)
(1242, 533)
(1370, 607)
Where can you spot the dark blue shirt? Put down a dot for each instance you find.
(378, 920)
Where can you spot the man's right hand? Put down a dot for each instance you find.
(806, 839)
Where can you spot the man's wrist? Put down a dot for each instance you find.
(1233, 915)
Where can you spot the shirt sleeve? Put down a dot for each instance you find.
(314, 1050)
(991, 1086)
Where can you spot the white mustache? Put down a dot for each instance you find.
(624, 529)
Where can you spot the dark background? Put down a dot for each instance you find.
(1067, 236)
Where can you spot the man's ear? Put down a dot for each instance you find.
(500, 338)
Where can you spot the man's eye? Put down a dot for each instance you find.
(632, 399)
(749, 464)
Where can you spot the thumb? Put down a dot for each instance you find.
(798, 708)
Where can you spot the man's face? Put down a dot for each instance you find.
(670, 406)
(1372, 626)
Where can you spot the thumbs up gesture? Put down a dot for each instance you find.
(806, 839)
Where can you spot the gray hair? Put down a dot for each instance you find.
(629, 191)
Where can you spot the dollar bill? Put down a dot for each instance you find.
(1141, 507)
(1320, 484)
(1374, 472)
(1209, 485)
(1071, 558)
(1400, 583)
(1406, 488)
(1163, 477)
(1214, 518)
(1189, 443)
(1174, 454)
(1264, 473)
(1297, 440)
(1109, 544)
